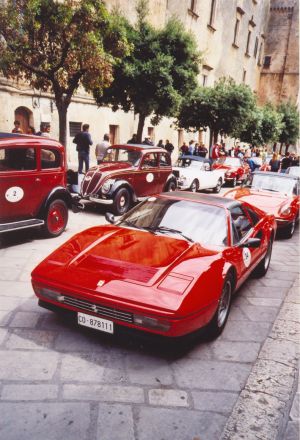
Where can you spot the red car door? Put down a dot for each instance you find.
(52, 171)
(20, 188)
(243, 258)
(147, 177)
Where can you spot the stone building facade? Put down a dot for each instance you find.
(279, 79)
(231, 34)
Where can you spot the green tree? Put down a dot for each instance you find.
(158, 75)
(290, 130)
(58, 46)
(222, 108)
(264, 125)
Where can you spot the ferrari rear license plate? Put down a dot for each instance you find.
(94, 322)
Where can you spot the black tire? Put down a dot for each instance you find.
(217, 189)
(194, 186)
(56, 218)
(288, 232)
(170, 186)
(218, 322)
(234, 182)
(262, 268)
(122, 201)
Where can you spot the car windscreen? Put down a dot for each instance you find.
(198, 222)
(230, 161)
(274, 183)
(122, 155)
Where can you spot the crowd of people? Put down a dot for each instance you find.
(256, 157)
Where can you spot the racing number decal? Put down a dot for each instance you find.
(14, 194)
(150, 177)
(246, 257)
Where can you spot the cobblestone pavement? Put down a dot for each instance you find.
(58, 381)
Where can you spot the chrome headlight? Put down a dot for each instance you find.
(107, 186)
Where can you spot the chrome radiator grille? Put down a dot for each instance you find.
(109, 312)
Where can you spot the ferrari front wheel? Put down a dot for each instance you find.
(289, 231)
(218, 322)
(262, 268)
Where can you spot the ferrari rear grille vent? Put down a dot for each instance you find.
(98, 309)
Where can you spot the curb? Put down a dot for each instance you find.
(263, 406)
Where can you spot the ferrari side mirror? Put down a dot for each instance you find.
(251, 243)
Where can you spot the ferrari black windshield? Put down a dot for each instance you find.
(193, 221)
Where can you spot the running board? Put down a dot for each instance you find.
(23, 224)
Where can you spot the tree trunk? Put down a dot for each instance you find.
(280, 149)
(62, 117)
(141, 124)
(287, 148)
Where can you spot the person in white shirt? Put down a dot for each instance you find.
(101, 148)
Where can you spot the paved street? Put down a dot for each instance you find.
(58, 381)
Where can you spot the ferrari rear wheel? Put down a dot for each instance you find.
(194, 186)
(262, 268)
(218, 322)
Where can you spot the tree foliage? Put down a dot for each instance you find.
(222, 108)
(58, 46)
(290, 119)
(264, 125)
(157, 75)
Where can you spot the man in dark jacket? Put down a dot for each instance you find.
(83, 141)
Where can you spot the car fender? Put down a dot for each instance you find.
(206, 288)
(58, 192)
(121, 184)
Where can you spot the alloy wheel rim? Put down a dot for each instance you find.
(224, 304)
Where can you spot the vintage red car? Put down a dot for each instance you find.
(128, 174)
(275, 193)
(169, 266)
(33, 191)
(236, 169)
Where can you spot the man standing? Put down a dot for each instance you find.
(44, 129)
(83, 141)
(101, 148)
(215, 152)
(169, 146)
(285, 162)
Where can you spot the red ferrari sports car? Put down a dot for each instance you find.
(236, 170)
(276, 194)
(169, 266)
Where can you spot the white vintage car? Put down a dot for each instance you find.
(194, 173)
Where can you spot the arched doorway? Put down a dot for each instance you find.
(24, 115)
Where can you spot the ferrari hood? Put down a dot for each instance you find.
(111, 253)
(268, 201)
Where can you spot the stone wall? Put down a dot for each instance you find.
(280, 80)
